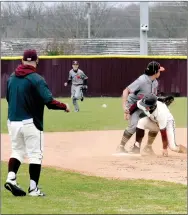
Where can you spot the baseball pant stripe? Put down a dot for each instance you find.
(40, 143)
(171, 134)
(174, 132)
(41, 147)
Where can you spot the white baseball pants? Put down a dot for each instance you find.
(146, 123)
(26, 140)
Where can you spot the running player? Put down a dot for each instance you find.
(79, 83)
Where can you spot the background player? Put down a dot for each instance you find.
(27, 94)
(143, 85)
(79, 84)
(158, 118)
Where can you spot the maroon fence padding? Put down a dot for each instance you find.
(107, 76)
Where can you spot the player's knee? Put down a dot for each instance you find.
(127, 134)
(141, 124)
(131, 129)
(35, 158)
(18, 155)
(153, 133)
(75, 97)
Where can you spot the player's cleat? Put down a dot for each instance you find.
(121, 149)
(135, 151)
(13, 187)
(82, 99)
(147, 150)
(77, 110)
(35, 192)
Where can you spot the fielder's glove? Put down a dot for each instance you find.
(167, 100)
(84, 87)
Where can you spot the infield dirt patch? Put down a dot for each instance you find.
(90, 153)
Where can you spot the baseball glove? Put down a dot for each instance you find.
(84, 87)
(167, 100)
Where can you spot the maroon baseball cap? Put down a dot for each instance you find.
(30, 55)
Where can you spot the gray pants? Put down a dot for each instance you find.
(76, 94)
(133, 121)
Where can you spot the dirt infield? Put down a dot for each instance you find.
(91, 153)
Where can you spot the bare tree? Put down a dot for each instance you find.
(69, 20)
(8, 16)
(168, 20)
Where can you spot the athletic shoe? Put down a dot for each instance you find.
(82, 99)
(76, 110)
(121, 149)
(135, 151)
(35, 192)
(147, 150)
(13, 187)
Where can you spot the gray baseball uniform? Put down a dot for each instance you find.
(140, 87)
(77, 79)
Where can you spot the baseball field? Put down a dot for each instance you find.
(81, 176)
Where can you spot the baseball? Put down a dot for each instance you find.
(104, 105)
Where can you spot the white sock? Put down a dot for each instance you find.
(33, 185)
(137, 144)
(11, 176)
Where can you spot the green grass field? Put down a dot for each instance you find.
(71, 193)
(93, 117)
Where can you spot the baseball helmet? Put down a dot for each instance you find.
(153, 67)
(149, 101)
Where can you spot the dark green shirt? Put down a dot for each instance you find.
(26, 97)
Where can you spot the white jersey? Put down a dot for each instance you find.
(161, 115)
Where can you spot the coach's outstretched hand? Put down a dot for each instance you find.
(68, 108)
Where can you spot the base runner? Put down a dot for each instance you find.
(158, 118)
(79, 84)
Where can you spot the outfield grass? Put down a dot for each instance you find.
(93, 117)
(71, 193)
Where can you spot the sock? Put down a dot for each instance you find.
(75, 103)
(151, 137)
(33, 185)
(34, 171)
(11, 176)
(139, 136)
(13, 166)
(137, 145)
(125, 138)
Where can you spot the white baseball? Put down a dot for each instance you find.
(104, 105)
(65, 84)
